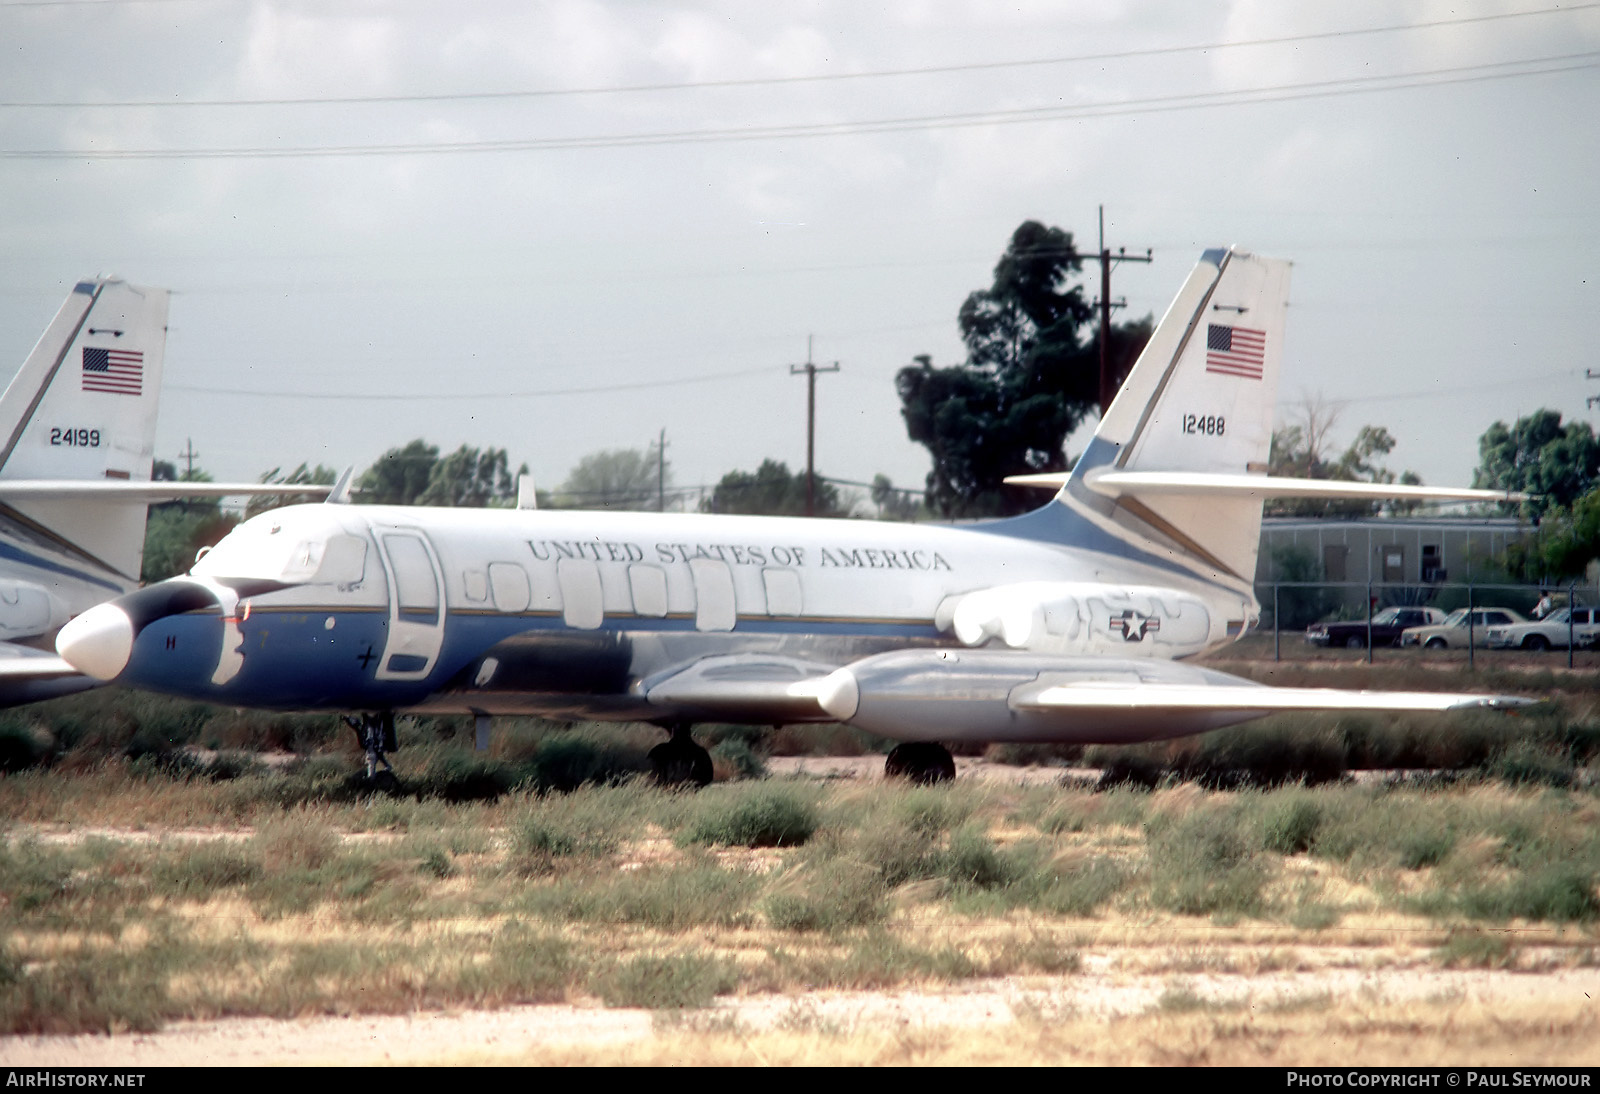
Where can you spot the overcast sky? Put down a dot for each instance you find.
(614, 218)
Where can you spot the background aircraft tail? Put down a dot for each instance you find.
(1199, 403)
(83, 408)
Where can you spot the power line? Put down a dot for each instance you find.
(767, 81)
(437, 396)
(1314, 89)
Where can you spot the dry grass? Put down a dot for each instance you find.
(1311, 1032)
(631, 896)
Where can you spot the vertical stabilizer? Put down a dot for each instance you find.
(1199, 399)
(83, 407)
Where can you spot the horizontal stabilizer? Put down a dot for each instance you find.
(28, 675)
(1203, 484)
(126, 490)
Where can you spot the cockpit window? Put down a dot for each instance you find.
(270, 548)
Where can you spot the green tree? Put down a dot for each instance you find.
(416, 475)
(1302, 606)
(399, 476)
(1301, 451)
(773, 491)
(174, 531)
(1566, 542)
(472, 479)
(894, 503)
(616, 478)
(1539, 455)
(1030, 378)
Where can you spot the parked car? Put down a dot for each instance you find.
(1453, 633)
(1386, 628)
(1581, 625)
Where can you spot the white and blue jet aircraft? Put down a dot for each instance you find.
(1070, 623)
(77, 436)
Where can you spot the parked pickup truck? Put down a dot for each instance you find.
(1386, 628)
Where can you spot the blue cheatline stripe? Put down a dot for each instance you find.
(14, 553)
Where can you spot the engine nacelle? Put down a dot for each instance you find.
(28, 610)
(1068, 617)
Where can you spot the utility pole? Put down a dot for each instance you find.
(1106, 258)
(811, 369)
(1591, 374)
(190, 455)
(661, 472)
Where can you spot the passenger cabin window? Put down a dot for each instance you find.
(583, 604)
(415, 585)
(783, 591)
(713, 594)
(508, 582)
(649, 586)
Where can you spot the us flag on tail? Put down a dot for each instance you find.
(1236, 351)
(117, 371)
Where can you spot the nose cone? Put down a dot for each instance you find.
(98, 643)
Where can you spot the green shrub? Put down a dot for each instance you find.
(566, 761)
(834, 895)
(1290, 825)
(1201, 864)
(1477, 950)
(762, 817)
(203, 869)
(1425, 847)
(738, 758)
(670, 982)
(973, 862)
(678, 897)
(1557, 894)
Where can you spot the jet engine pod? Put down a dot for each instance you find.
(27, 610)
(936, 694)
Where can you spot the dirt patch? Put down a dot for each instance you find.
(1101, 991)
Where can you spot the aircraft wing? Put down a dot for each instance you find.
(1003, 695)
(125, 490)
(1201, 484)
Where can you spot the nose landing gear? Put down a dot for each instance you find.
(375, 735)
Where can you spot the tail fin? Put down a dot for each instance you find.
(83, 408)
(1199, 399)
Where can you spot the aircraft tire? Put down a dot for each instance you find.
(921, 762)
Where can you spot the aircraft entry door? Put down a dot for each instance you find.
(416, 604)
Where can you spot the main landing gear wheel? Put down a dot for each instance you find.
(920, 762)
(375, 735)
(679, 761)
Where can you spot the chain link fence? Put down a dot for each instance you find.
(1369, 615)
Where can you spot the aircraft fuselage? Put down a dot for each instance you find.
(570, 614)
